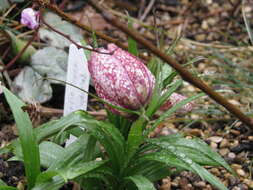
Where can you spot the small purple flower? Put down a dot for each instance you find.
(174, 99)
(30, 18)
(121, 78)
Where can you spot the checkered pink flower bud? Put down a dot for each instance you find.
(30, 18)
(174, 99)
(121, 78)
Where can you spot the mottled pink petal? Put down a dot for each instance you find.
(30, 18)
(121, 78)
(173, 100)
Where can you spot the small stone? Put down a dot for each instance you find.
(212, 21)
(196, 132)
(213, 145)
(200, 37)
(234, 102)
(234, 144)
(250, 184)
(250, 138)
(224, 143)
(204, 25)
(200, 184)
(231, 155)
(235, 132)
(215, 139)
(194, 116)
(232, 180)
(215, 171)
(166, 184)
(236, 166)
(240, 172)
(224, 151)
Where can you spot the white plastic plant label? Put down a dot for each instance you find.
(78, 75)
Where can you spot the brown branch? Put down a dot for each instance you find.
(65, 16)
(186, 75)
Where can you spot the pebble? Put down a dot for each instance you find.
(215, 171)
(166, 184)
(224, 151)
(240, 172)
(224, 143)
(204, 25)
(200, 37)
(215, 139)
(232, 180)
(199, 184)
(213, 145)
(235, 132)
(250, 138)
(231, 155)
(234, 102)
(248, 182)
(196, 132)
(236, 166)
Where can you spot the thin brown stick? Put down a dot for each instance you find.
(186, 75)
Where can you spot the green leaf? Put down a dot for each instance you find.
(132, 45)
(80, 169)
(111, 139)
(18, 44)
(135, 137)
(2, 183)
(170, 111)
(168, 93)
(187, 163)
(170, 50)
(122, 123)
(166, 157)
(53, 184)
(3, 187)
(152, 170)
(80, 150)
(196, 149)
(247, 22)
(50, 153)
(27, 138)
(141, 182)
(52, 127)
(46, 176)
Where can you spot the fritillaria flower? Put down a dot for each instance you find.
(121, 78)
(174, 99)
(30, 18)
